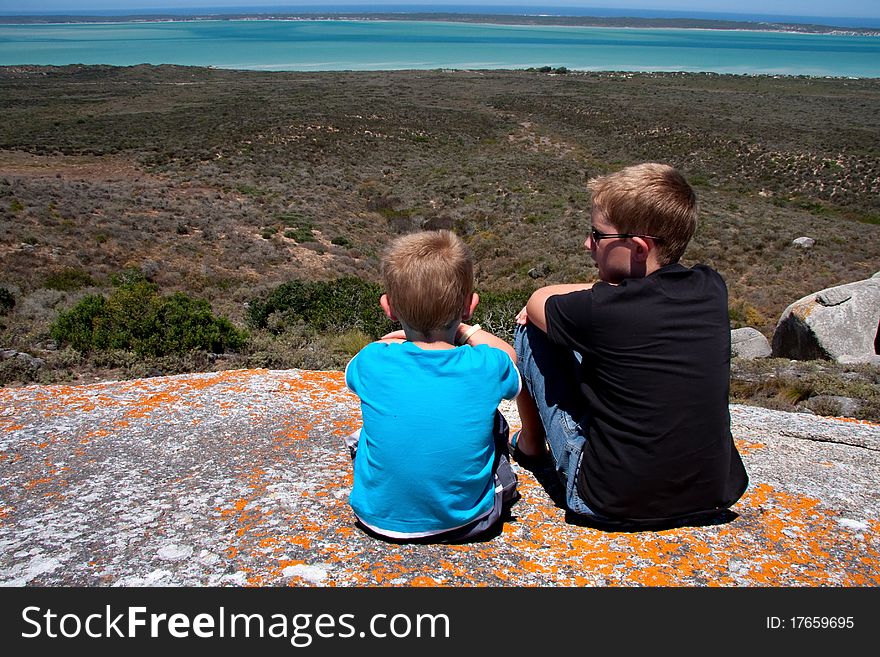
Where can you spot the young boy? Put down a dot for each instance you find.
(431, 461)
(629, 377)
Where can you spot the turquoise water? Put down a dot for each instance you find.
(378, 45)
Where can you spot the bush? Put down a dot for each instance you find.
(79, 326)
(340, 305)
(186, 324)
(349, 342)
(743, 314)
(300, 235)
(136, 318)
(7, 301)
(496, 312)
(128, 276)
(68, 280)
(351, 304)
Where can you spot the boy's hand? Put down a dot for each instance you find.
(394, 335)
(522, 317)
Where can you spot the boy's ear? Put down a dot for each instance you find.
(386, 307)
(470, 306)
(643, 248)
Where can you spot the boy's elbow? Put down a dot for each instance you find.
(510, 351)
(535, 309)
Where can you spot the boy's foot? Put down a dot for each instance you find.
(528, 461)
(542, 468)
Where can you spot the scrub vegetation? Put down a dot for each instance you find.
(260, 202)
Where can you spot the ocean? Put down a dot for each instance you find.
(440, 7)
(320, 45)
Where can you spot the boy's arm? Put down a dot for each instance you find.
(483, 337)
(533, 313)
(394, 336)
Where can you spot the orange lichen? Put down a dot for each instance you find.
(36, 482)
(423, 580)
(746, 447)
(852, 420)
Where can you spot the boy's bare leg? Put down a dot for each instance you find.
(532, 439)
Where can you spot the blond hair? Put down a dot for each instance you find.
(428, 277)
(650, 199)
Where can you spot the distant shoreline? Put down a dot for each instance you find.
(493, 19)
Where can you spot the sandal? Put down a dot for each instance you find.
(542, 467)
(524, 460)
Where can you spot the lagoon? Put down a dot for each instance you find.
(321, 45)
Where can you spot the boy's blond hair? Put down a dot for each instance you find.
(650, 199)
(429, 278)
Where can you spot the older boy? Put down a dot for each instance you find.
(431, 461)
(629, 376)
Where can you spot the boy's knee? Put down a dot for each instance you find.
(526, 339)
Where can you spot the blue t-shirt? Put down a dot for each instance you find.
(426, 451)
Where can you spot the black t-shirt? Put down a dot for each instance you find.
(656, 377)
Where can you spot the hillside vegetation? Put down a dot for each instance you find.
(221, 186)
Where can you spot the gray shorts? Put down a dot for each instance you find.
(505, 489)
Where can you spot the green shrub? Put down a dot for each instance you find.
(128, 320)
(136, 318)
(295, 220)
(250, 190)
(743, 314)
(79, 326)
(351, 304)
(300, 235)
(183, 324)
(68, 280)
(497, 311)
(349, 342)
(340, 305)
(128, 276)
(7, 301)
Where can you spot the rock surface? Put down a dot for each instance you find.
(749, 342)
(840, 323)
(240, 478)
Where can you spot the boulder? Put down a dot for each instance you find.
(839, 323)
(804, 242)
(836, 405)
(749, 343)
(28, 361)
(540, 271)
(859, 360)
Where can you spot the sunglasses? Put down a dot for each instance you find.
(595, 235)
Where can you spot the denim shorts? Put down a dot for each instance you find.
(551, 374)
